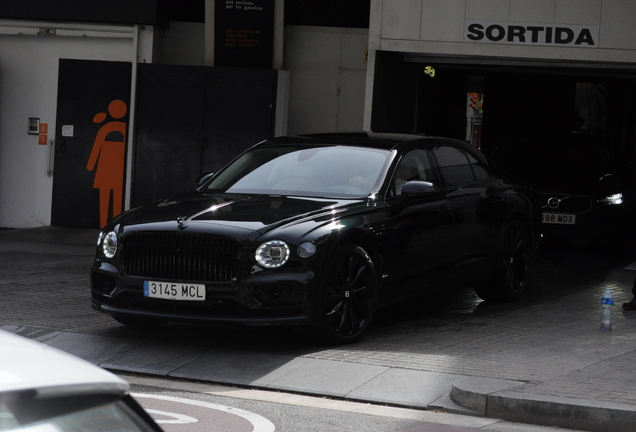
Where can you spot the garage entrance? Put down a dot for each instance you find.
(433, 96)
(578, 117)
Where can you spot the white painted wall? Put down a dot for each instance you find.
(28, 88)
(327, 78)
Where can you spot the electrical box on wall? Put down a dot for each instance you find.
(34, 126)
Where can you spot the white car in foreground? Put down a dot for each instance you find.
(46, 390)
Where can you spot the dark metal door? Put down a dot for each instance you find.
(240, 112)
(90, 142)
(169, 131)
(193, 120)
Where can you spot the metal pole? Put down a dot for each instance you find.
(131, 120)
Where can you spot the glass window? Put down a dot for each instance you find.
(325, 171)
(415, 165)
(480, 171)
(111, 417)
(454, 166)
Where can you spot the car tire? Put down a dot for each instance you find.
(349, 295)
(138, 321)
(511, 271)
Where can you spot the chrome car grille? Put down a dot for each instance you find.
(180, 257)
(560, 203)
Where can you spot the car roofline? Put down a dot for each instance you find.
(378, 140)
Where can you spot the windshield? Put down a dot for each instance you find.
(329, 171)
(58, 416)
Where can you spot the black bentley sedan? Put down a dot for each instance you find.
(320, 230)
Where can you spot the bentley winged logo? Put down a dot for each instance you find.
(181, 222)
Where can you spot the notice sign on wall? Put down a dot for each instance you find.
(44, 131)
(244, 33)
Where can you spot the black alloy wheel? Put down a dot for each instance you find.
(349, 295)
(512, 266)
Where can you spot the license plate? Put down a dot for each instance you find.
(174, 291)
(558, 218)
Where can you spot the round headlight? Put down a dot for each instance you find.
(306, 250)
(272, 254)
(109, 244)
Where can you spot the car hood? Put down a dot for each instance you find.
(259, 213)
(590, 183)
(29, 365)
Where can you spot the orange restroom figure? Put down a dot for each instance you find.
(108, 155)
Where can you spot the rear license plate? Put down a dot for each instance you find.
(557, 218)
(174, 291)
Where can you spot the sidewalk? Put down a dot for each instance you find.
(540, 361)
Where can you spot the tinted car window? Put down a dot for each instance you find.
(454, 166)
(415, 165)
(480, 171)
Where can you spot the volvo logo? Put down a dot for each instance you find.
(553, 203)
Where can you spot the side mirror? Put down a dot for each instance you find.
(202, 179)
(418, 188)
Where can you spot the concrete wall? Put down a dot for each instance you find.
(28, 88)
(327, 78)
(326, 69)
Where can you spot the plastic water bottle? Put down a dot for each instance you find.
(607, 301)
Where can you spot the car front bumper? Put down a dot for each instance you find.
(598, 222)
(266, 298)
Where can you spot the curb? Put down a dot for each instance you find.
(493, 398)
(473, 393)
